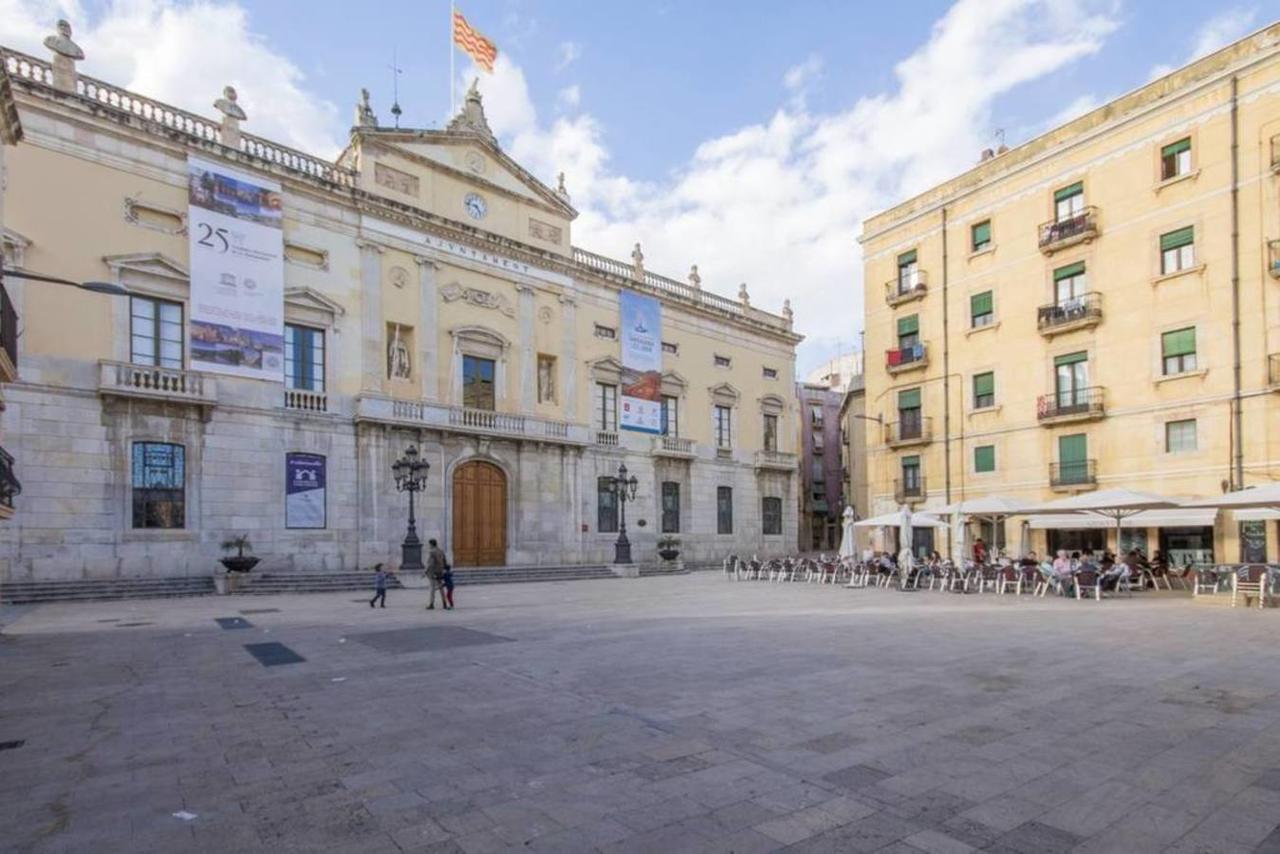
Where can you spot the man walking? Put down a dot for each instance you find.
(436, 565)
(379, 586)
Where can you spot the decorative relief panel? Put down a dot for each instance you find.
(155, 217)
(477, 297)
(545, 231)
(306, 256)
(399, 276)
(545, 314)
(394, 179)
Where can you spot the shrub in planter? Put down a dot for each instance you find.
(668, 548)
(239, 562)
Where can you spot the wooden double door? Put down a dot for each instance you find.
(479, 515)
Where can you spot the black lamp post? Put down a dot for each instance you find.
(411, 476)
(624, 489)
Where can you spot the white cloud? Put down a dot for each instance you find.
(799, 76)
(570, 52)
(148, 46)
(1218, 31)
(569, 97)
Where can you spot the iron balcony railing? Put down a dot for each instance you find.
(9, 485)
(8, 327)
(1069, 229)
(904, 357)
(1081, 309)
(1077, 473)
(909, 430)
(904, 288)
(909, 489)
(1069, 403)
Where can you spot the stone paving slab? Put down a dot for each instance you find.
(685, 713)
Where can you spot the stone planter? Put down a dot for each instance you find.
(668, 554)
(240, 563)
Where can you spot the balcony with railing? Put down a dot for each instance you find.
(1273, 258)
(776, 460)
(10, 487)
(911, 431)
(674, 446)
(147, 382)
(1075, 475)
(1082, 312)
(8, 337)
(906, 288)
(903, 359)
(724, 452)
(472, 422)
(909, 491)
(1069, 230)
(1273, 371)
(304, 400)
(1080, 404)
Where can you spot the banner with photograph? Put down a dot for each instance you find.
(237, 272)
(304, 493)
(641, 323)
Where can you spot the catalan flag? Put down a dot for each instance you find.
(482, 51)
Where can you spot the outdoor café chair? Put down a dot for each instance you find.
(1088, 583)
(1250, 580)
(1047, 581)
(1205, 580)
(1009, 576)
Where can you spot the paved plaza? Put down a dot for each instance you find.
(665, 714)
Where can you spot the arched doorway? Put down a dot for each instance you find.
(479, 515)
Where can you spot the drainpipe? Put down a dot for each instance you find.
(946, 369)
(1237, 414)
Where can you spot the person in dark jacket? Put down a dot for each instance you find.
(379, 586)
(447, 593)
(436, 566)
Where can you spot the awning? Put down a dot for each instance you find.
(1256, 514)
(1184, 517)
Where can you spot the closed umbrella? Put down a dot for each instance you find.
(847, 548)
(904, 530)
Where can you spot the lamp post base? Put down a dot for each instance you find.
(411, 554)
(622, 550)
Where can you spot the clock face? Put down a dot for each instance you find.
(476, 206)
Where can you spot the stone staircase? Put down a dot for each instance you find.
(270, 583)
(663, 569)
(89, 590)
(518, 574)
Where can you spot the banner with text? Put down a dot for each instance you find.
(237, 272)
(304, 495)
(641, 321)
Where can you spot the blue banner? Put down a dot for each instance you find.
(641, 321)
(304, 491)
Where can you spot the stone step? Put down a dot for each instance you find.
(88, 590)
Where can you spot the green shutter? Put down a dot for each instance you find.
(981, 234)
(980, 303)
(907, 258)
(984, 384)
(912, 462)
(1067, 192)
(1180, 342)
(984, 458)
(908, 325)
(909, 399)
(1071, 359)
(1073, 449)
(1176, 147)
(1181, 237)
(1076, 269)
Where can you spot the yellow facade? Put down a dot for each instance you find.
(1194, 150)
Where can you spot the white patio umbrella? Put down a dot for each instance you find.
(894, 519)
(988, 508)
(847, 548)
(1116, 504)
(1267, 495)
(904, 534)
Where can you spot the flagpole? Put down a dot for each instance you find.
(452, 10)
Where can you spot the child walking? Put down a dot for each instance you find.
(379, 586)
(448, 586)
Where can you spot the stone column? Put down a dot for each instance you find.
(373, 355)
(569, 356)
(528, 355)
(428, 335)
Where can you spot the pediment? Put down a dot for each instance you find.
(148, 263)
(671, 378)
(725, 392)
(309, 299)
(15, 247)
(607, 363)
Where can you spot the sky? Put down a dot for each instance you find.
(748, 138)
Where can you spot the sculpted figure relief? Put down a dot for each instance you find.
(398, 365)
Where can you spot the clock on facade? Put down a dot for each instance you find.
(476, 206)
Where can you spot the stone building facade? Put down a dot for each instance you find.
(432, 298)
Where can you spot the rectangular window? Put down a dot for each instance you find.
(477, 383)
(981, 310)
(911, 484)
(670, 507)
(608, 332)
(908, 272)
(818, 472)
(303, 358)
(155, 333)
(723, 362)
(1178, 250)
(1068, 202)
(724, 509)
(771, 373)
(981, 233)
(908, 331)
(984, 458)
(1180, 436)
(771, 432)
(1071, 381)
(606, 506)
(910, 422)
(605, 407)
(723, 426)
(159, 484)
(1175, 159)
(670, 415)
(771, 516)
(984, 390)
(1178, 349)
(546, 378)
(1073, 463)
(1069, 285)
(669, 347)
(1253, 541)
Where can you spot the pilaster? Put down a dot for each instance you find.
(569, 364)
(528, 359)
(372, 353)
(428, 336)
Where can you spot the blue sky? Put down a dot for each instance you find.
(749, 138)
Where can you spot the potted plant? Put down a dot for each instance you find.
(668, 548)
(237, 564)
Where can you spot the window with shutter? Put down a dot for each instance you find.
(984, 458)
(981, 309)
(1178, 350)
(1177, 250)
(981, 235)
(984, 390)
(1175, 159)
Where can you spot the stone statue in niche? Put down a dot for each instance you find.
(398, 365)
(546, 380)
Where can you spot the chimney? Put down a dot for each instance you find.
(66, 54)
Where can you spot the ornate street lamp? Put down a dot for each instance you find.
(411, 476)
(624, 489)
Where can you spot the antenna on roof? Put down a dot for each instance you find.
(395, 88)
